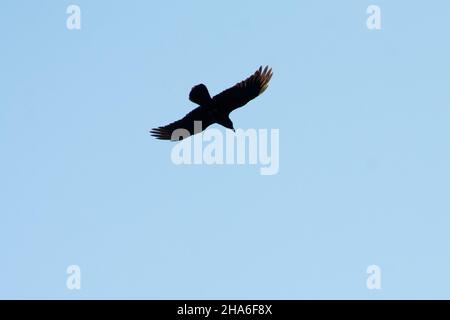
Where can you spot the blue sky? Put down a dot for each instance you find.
(364, 151)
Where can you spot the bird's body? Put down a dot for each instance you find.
(216, 109)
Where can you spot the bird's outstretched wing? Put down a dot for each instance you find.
(187, 123)
(244, 91)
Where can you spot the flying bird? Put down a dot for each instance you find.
(216, 109)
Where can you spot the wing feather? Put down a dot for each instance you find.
(241, 93)
(186, 123)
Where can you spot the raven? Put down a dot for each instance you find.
(218, 108)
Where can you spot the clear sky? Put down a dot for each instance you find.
(364, 151)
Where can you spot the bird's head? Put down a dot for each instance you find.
(228, 124)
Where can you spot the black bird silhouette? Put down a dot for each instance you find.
(216, 109)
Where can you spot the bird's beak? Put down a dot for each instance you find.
(233, 130)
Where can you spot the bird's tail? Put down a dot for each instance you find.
(200, 95)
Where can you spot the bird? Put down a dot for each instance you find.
(216, 109)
